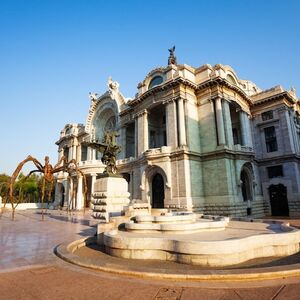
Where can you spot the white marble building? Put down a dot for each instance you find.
(199, 139)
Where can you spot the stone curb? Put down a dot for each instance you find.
(66, 252)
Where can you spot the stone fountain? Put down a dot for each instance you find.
(199, 240)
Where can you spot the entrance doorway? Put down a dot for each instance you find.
(246, 186)
(246, 178)
(158, 191)
(278, 200)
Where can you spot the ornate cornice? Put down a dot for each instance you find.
(224, 83)
(282, 95)
(168, 84)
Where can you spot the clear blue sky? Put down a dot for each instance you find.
(53, 53)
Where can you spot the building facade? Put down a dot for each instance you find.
(198, 139)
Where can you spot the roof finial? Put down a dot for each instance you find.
(172, 58)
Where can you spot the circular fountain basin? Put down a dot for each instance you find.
(167, 218)
(183, 223)
(195, 240)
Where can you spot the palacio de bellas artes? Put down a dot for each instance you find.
(193, 138)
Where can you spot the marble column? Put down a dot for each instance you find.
(89, 153)
(181, 123)
(228, 124)
(69, 153)
(140, 142)
(93, 154)
(142, 135)
(171, 124)
(243, 127)
(136, 137)
(290, 132)
(78, 154)
(74, 154)
(79, 196)
(60, 153)
(220, 122)
(145, 130)
(249, 141)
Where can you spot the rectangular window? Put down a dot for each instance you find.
(271, 141)
(267, 115)
(66, 153)
(275, 171)
(152, 139)
(235, 136)
(83, 153)
(130, 140)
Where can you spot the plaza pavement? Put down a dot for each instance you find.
(30, 270)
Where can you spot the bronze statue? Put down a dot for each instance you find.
(172, 58)
(110, 150)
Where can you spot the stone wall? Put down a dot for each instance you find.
(233, 210)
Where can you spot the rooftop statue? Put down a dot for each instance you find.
(93, 96)
(172, 58)
(112, 85)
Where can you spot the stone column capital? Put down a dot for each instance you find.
(216, 97)
(141, 113)
(170, 100)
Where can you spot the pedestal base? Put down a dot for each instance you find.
(110, 197)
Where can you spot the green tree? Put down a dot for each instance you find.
(4, 184)
(26, 188)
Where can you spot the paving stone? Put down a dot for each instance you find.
(289, 292)
(168, 294)
(208, 294)
(265, 293)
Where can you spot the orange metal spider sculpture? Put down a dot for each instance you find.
(48, 180)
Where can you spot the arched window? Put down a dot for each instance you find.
(231, 79)
(155, 81)
(110, 124)
(104, 121)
